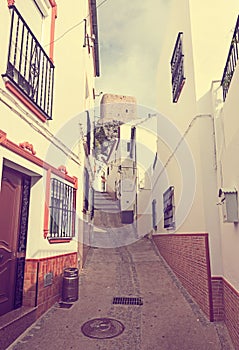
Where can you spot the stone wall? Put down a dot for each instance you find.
(118, 107)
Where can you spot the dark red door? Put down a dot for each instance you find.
(10, 205)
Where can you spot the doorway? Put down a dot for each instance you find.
(14, 209)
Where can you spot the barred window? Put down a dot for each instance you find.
(169, 208)
(177, 68)
(154, 214)
(62, 210)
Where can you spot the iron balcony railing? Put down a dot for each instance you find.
(231, 62)
(177, 68)
(28, 66)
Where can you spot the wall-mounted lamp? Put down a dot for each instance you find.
(97, 95)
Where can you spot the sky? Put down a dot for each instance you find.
(130, 37)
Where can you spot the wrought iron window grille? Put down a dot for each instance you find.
(28, 67)
(62, 210)
(177, 68)
(169, 208)
(231, 61)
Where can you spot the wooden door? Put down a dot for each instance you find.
(10, 206)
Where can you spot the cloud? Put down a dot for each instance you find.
(130, 35)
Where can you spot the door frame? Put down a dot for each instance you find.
(20, 234)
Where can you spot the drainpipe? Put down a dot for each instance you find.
(136, 167)
(36, 290)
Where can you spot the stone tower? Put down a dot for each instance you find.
(118, 107)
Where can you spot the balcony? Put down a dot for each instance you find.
(29, 68)
(231, 62)
(177, 68)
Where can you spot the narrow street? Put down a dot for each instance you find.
(165, 317)
(109, 232)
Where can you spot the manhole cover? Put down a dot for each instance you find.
(102, 328)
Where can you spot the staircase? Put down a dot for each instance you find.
(107, 211)
(109, 232)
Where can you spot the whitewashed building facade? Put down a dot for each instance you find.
(129, 171)
(196, 178)
(48, 65)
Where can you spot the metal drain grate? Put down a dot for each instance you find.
(127, 301)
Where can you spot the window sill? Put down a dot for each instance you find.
(59, 240)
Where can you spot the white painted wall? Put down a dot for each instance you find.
(74, 69)
(138, 181)
(207, 32)
(128, 174)
(212, 24)
(112, 168)
(146, 141)
(228, 166)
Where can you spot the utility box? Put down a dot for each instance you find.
(229, 204)
(127, 217)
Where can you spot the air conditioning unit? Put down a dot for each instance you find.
(229, 204)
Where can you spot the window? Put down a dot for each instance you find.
(169, 208)
(62, 210)
(86, 190)
(177, 68)
(88, 135)
(128, 146)
(231, 61)
(32, 15)
(155, 160)
(154, 215)
(132, 142)
(29, 69)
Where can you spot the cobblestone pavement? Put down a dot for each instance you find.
(168, 319)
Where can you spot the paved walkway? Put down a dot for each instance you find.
(167, 320)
